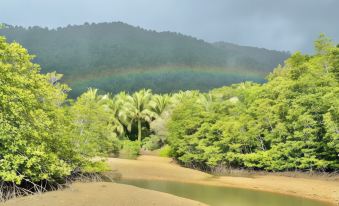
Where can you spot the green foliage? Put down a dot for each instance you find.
(115, 56)
(93, 125)
(165, 151)
(323, 44)
(34, 142)
(96, 166)
(158, 103)
(289, 123)
(138, 109)
(130, 149)
(44, 136)
(152, 142)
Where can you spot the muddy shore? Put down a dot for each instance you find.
(102, 194)
(158, 168)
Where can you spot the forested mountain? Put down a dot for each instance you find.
(251, 57)
(117, 56)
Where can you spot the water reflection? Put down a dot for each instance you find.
(222, 196)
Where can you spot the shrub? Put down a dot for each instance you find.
(130, 149)
(165, 151)
(152, 143)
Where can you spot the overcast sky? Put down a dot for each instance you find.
(288, 25)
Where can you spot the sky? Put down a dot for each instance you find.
(285, 25)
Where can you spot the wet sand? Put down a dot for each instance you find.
(158, 168)
(102, 194)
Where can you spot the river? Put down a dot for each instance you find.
(222, 196)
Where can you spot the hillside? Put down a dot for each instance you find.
(117, 56)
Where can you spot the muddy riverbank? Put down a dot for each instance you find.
(158, 168)
(148, 167)
(102, 194)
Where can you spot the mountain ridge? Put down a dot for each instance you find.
(79, 50)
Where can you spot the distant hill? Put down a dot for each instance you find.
(116, 56)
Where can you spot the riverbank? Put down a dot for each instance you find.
(158, 168)
(102, 194)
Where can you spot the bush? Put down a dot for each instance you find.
(152, 143)
(95, 167)
(130, 149)
(165, 151)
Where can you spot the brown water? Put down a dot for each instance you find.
(222, 196)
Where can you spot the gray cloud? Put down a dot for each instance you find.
(282, 25)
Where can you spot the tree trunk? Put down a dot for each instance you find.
(139, 130)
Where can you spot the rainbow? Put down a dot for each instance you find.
(161, 79)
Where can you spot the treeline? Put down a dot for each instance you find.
(289, 123)
(91, 55)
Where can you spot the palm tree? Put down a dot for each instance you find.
(138, 109)
(182, 95)
(91, 94)
(115, 106)
(159, 103)
(54, 79)
(206, 100)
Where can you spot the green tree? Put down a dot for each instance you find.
(34, 144)
(115, 105)
(138, 109)
(159, 103)
(93, 125)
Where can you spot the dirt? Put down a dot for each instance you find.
(102, 194)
